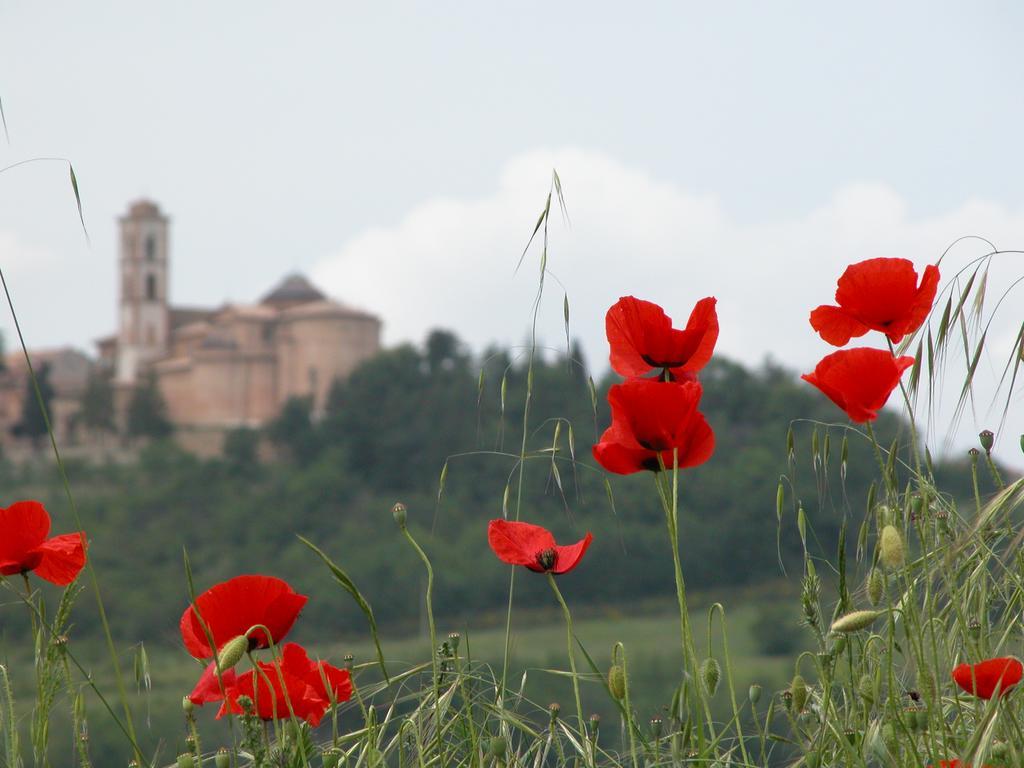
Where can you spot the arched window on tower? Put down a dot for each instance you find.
(150, 248)
(151, 287)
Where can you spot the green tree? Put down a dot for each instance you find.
(241, 450)
(293, 430)
(33, 421)
(97, 404)
(147, 411)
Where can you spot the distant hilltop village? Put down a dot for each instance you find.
(216, 369)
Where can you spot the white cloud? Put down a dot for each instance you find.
(450, 262)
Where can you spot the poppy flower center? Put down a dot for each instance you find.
(547, 558)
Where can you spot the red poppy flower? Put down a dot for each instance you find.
(641, 337)
(233, 607)
(983, 678)
(649, 417)
(209, 688)
(292, 685)
(533, 546)
(859, 380)
(24, 546)
(877, 295)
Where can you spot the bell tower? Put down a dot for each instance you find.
(143, 328)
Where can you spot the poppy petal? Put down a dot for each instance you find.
(23, 527)
(63, 557)
(569, 556)
(233, 607)
(859, 380)
(835, 326)
(210, 688)
(986, 677)
(704, 319)
(518, 543)
(633, 325)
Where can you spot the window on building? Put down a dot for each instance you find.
(151, 287)
(150, 248)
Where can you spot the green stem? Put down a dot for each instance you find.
(572, 664)
(436, 673)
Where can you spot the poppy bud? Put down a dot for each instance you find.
(922, 719)
(1000, 750)
(593, 725)
(246, 704)
(553, 709)
(349, 659)
(787, 699)
(798, 691)
(855, 621)
(399, 513)
(876, 586)
(866, 688)
(187, 706)
(497, 747)
(974, 453)
(711, 673)
(892, 548)
(223, 759)
(839, 645)
(754, 693)
(986, 438)
(332, 757)
(232, 652)
(974, 629)
(185, 760)
(453, 640)
(190, 742)
(617, 681)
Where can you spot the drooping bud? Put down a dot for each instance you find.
(866, 688)
(399, 513)
(798, 690)
(891, 546)
(711, 673)
(876, 586)
(617, 681)
(185, 760)
(497, 747)
(855, 621)
(223, 759)
(232, 652)
(187, 706)
(986, 438)
(754, 693)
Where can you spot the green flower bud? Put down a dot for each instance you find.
(497, 747)
(399, 513)
(187, 706)
(232, 652)
(617, 681)
(754, 693)
(453, 641)
(247, 705)
(185, 760)
(986, 438)
(1000, 750)
(974, 629)
(855, 621)
(711, 673)
(892, 554)
(594, 725)
(910, 716)
(798, 690)
(223, 759)
(922, 719)
(876, 586)
(656, 724)
(866, 688)
(553, 709)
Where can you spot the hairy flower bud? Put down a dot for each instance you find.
(711, 673)
(986, 438)
(892, 554)
(187, 706)
(855, 621)
(232, 652)
(876, 586)
(754, 693)
(553, 709)
(223, 759)
(617, 681)
(497, 747)
(399, 513)
(185, 760)
(798, 690)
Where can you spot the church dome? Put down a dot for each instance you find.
(144, 209)
(294, 289)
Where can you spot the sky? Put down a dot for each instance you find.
(399, 154)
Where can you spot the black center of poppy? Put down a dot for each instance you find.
(547, 558)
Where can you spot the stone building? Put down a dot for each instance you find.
(67, 371)
(233, 365)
